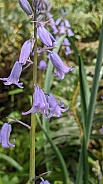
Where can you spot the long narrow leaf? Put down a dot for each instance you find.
(11, 161)
(95, 85)
(84, 93)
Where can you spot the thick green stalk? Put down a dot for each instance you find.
(33, 118)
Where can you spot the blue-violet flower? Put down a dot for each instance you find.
(25, 51)
(42, 65)
(54, 107)
(45, 37)
(39, 103)
(25, 6)
(44, 181)
(4, 136)
(61, 68)
(14, 76)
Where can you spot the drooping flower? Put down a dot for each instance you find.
(25, 51)
(67, 24)
(62, 29)
(58, 21)
(25, 6)
(44, 181)
(42, 65)
(70, 32)
(45, 37)
(67, 50)
(5, 135)
(40, 103)
(54, 107)
(53, 26)
(14, 75)
(61, 68)
(66, 42)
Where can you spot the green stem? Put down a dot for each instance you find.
(33, 118)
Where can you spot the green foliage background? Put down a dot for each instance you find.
(85, 18)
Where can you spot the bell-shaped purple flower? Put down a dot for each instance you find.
(67, 50)
(61, 68)
(25, 6)
(62, 29)
(54, 107)
(66, 42)
(44, 181)
(25, 51)
(42, 65)
(67, 24)
(45, 37)
(5, 135)
(58, 21)
(39, 103)
(70, 32)
(14, 75)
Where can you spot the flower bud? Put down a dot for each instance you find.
(25, 6)
(37, 4)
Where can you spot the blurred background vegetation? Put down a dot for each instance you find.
(85, 18)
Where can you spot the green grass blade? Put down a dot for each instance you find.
(85, 95)
(84, 92)
(79, 175)
(11, 161)
(57, 152)
(84, 88)
(95, 85)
